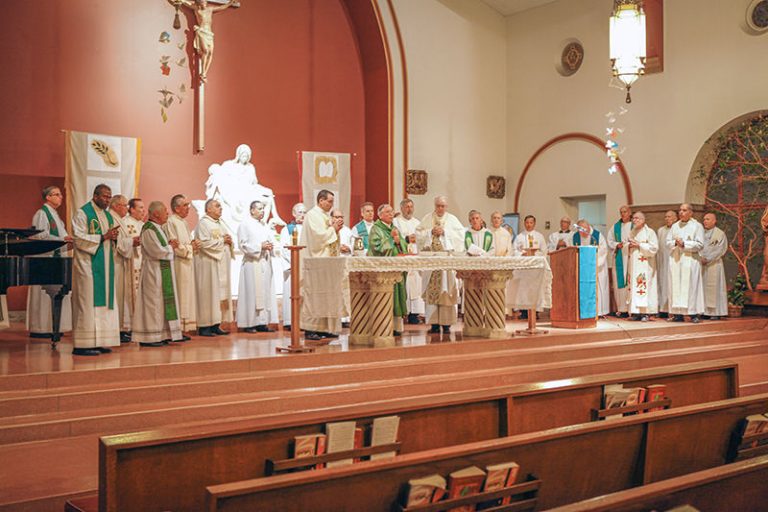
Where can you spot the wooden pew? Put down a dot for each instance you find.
(742, 486)
(573, 463)
(134, 468)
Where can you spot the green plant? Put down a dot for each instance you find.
(736, 295)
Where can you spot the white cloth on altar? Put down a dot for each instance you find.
(603, 288)
(212, 274)
(662, 269)
(413, 282)
(502, 242)
(713, 272)
(556, 237)
(320, 240)
(621, 295)
(92, 326)
(530, 240)
(184, 266)
(686, 287)
(255, 296)
(643, 288)
(149, 322)
(124, 292)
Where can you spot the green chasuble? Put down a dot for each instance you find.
(166, 274)
(381, 243)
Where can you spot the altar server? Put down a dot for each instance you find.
(94, 311)
(643, 291)
(183, 262)
(385, 240)
(478, 240)
(124, 246)
(561, 239)
(156, 315)
(212, 272)
(587, 235)
(134, 223)
(406, 225)
(713, 271)
(363, 228)
(254, 296)
(662, 263)
(530, 242)
(618, 236)
(685, 240)
(502, 238)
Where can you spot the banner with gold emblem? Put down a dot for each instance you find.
(330, 171)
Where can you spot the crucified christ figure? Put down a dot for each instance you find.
(203, 30)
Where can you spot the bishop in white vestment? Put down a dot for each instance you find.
(124, 246)
(643, 291)
(685, 240)
(587, 235)
(502, 238)
(662, 263)
(183, 261)
(406, 225)
(618, 236)
(713, 271)
(255, 294)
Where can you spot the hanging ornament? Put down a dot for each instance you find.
(176, 19)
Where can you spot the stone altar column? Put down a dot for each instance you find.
(484, 302)
(371, 297)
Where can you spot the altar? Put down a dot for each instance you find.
(362, 288)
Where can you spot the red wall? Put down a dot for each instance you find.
(287, 75)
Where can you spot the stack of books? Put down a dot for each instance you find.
(616, 396)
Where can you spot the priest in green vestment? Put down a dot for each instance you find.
(385, 240)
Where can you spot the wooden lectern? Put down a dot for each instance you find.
(574, 287)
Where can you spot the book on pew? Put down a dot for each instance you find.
(654, 393)
(309, 445)
(752, 425)
(422, 491)
(636, 396)
(499, 476)
(384, 431)
(614, 397)
(465, 482)
(359, 441)
(340, 438)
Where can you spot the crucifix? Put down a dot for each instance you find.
(203, 44)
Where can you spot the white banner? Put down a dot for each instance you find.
(92, 159)
(330, 171)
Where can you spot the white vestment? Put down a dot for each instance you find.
(557, 236)
(619, 294)
(281, 277)
(39, 303)
(212, 274)
(440, 293)
(124, 291)
(133, 227)
(150, 322)
(320, 240)
(530, 240)
(713, 272)
(643, 290)
(603, 288)
(254, 295)
(93, 326)
(686, 289)
(477, 246)
(183, 265)
(662, 269)
(502, 242)
(413, 282)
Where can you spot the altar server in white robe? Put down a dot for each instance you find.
(502, 238)
(643, 291)
(478, 240)
(440, 231)
(618, 236)
(662, 263)
(281, 263)
(124, 246)
(212, 272)
(320, 237)
(134, 222)
(562, 238)
(254, 296)
(530, 242)
(685, 240)
(39, 303)
(713, 271)
(406, 225)
(587, 235)
(94, 311)
(346, 242)
(156, 315)
(183, 262)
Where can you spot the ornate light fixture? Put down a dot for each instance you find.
(627, 39)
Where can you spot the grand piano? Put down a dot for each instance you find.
(20, 264)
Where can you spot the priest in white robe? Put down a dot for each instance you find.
(134, 223)
(662, 263)
(713, 270)
(618, 236)
(685, 240)
(478, 240)
(406, 225)
(502, 238)
(212, 272)
(530, 242)
(124, 249)
(94, 313)
(39, 302)
(255, 295)
(562, 238)
(183, 262)
(440, 231)
(320, 237)
(587, 235)
(156, 315)
(643, 290)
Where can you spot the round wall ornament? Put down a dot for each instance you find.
(571, 58)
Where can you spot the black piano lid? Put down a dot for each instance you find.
(14, 242)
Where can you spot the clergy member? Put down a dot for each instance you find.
(346, 235)
(440, 231)
(530, 242)
(662, 263)
(406, 225)
(94, 312)
(502, 238)
(124, 246)
(618, 236)
(183, 262)
(643, 291)
(299, 210)
(320, 237)
(39, 303)
(713, 271)
(363, 228)
(212, 272)
(385, 240)
(685, 240)
(156, 315)
(587, 235)
(560, 239)
(281, 264)
(254, 296)
(134, 223)
(478, 240)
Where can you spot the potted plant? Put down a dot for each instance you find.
(736, 297)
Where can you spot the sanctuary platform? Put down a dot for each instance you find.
(54, 407)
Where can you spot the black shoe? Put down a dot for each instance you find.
(397, 333)
(446, 329)
(205, 331)
(86, 352)
(714, 318)
(676, 318)
(435, 329)
(663, 315)
(166, 341)
(263, 328)
(313, 336)
(695, 319)
(287, 327)
(345, 325)
(645, 318)
(184, 337)
(125, 337)
(104, 350)
(151, 343)
(329, 335)
(41, 335)
(524, 315)
(180, 340)
(250, 330)
(218, 330)
(413, 319)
